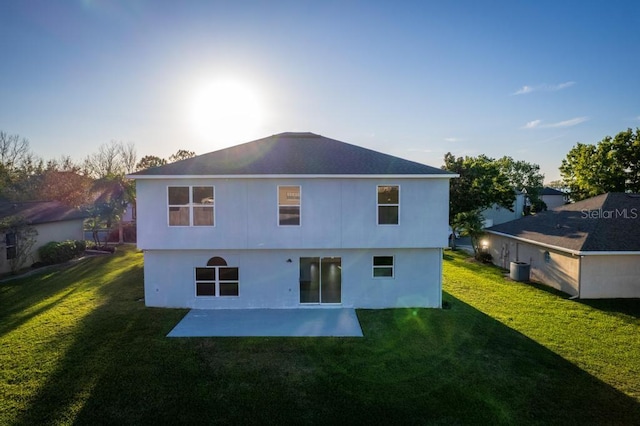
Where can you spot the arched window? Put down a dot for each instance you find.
(216, 279)
(217, 261)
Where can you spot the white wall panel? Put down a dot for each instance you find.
(338, 213)
(267, 280)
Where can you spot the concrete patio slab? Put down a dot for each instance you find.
(334, 322)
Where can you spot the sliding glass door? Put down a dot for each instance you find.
(320, 280)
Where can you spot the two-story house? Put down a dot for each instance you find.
(293, 220)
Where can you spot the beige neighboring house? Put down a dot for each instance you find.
(589, 249)
(52, 220)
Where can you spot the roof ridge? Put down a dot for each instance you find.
(294, 153)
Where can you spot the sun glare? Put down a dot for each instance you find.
(225, 112)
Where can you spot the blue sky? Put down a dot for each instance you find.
(527, 79)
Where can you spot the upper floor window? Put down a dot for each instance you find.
(388, 204)
(289, 205)
(191, 205)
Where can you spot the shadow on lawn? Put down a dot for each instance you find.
(629, 307)
(19, 296)
(461, 366)
(96, 342)
(413, 366)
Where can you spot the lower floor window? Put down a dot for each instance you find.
(10, 241)
(383, 266)
(217, 279)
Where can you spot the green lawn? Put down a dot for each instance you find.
(78, 346)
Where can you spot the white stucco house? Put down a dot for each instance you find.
(496, 214)
(552, 197)
(53, 221)
(289, 221)
(589, 249)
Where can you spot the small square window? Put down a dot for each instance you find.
(387, 215)
(203, 195)
(228, 289)
(383, 266)
(178, 195)
(205, 274)
(205, 289)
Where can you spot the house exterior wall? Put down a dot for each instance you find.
(267, 280)
(553, 201)
(613, 276)
(338, 219)
(47, 232)
(496, 215)
(335, 213)
(557, 269)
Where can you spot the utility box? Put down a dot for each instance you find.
(519, 271)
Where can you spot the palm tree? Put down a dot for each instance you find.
(114, 194)
(471, 225)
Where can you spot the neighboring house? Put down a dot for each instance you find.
(589, 249)
(52, 220)
(552, 197)
(293, 220)
(495, 214)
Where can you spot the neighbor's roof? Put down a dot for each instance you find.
(606, 223)
(293, 154)
(36, 212)
(551, 191)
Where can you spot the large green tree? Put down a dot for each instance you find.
(523, 176)
(480, 185)
(611, 165)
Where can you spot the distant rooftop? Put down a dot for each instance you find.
(294, 154)
(551, 191)
(36, 212)
(608, 222)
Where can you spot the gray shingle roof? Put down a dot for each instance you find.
(551, 191)
(294, 154)
(608, 222)
(35, 212)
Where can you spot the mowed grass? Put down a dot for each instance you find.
(78, 347)
(602, 337)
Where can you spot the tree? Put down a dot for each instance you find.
(14, 150)
(470, 224)
(612, 165)
(111, 159)
(523, 176)
(557, 184)
(181, 154)
(115, 194)
(480, 185)
(18, 166)
(20, 237)
(149, 161)
(128, 157)
(67, 187)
